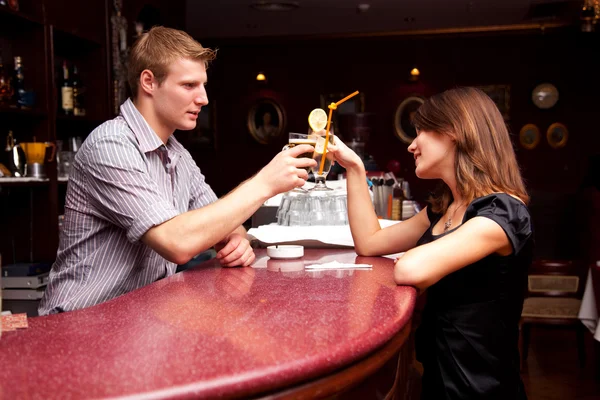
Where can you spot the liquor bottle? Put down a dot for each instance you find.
(397, 200)
(78, 89)
(6, 91)
(13, 5)
(14, 156)
(66, 91)
(18, 83)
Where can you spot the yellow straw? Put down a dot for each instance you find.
(332, 107)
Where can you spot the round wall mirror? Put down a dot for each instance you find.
(404, 117)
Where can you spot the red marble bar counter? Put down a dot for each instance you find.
(213, 332)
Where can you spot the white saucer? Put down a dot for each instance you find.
(285, 251)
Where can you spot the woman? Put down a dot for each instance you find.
(470, 247)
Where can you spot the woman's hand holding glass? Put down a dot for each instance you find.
(344, 155)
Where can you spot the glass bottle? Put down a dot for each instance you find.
(13, 5)
(66, 91)
(6, 90)
(18, 83)
(78, 89)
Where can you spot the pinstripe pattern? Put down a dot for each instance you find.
(123, 181)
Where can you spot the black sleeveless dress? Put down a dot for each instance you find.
(468, 338)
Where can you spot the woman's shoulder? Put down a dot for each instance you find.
(508, 211)
(498, 200)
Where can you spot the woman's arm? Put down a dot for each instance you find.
(369, 238)
(475, 239)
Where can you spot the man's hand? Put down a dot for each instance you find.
(286, 171)
(236, 252)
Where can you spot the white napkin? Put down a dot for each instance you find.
(338, 265)
(308, 236)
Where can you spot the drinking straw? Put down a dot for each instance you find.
(331, 107)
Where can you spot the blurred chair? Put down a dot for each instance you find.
(554, 293)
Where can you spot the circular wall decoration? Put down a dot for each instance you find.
(557, 135)
(404, 116)
(529, 136)
(545, 95)
(266, 121)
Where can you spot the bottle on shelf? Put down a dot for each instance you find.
(6, 90)
(78, 91)
(7, 158)
(66, 91)
(13, 5)
(18, 83)
(397, 200)
(14, 156)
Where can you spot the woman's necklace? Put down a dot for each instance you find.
(448, 223)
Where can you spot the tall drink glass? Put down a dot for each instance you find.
(296, 139)
(318, 155)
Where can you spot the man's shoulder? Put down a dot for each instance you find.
(116, 128)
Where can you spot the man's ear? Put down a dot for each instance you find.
(147, 81)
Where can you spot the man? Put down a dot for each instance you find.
(137, 204)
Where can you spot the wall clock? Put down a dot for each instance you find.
(545, 95)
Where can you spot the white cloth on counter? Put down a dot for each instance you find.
(588, 314)
(308, 236)
(338, 265)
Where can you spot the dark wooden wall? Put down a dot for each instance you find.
(299, 71)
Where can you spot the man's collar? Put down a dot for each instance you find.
(145, 135)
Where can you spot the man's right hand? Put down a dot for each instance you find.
(285, 171)
(180, 238)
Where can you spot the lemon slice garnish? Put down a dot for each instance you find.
(317, 119)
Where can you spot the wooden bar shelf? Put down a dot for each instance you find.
(45, 34)
(10, 17)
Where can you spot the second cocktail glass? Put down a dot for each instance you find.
(319, 138)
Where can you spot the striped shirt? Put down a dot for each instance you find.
(123, 181)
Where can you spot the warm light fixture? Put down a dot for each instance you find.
(261, 77)
(590, 14)
(414, 74)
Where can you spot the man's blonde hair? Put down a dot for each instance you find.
(158, 48)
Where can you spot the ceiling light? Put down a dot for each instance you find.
(414, 74)
(261, 77)
(268, 5)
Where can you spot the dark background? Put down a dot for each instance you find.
(300, 70)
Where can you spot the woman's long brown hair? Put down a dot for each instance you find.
(485, 159)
